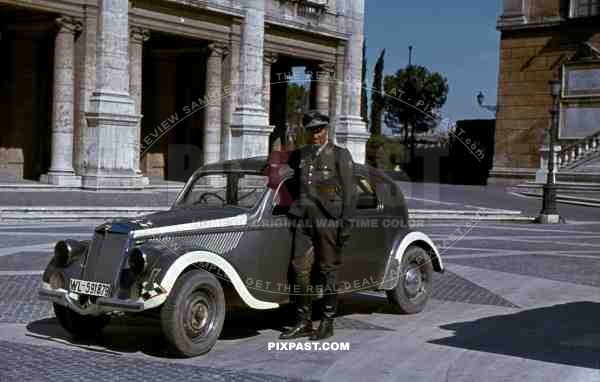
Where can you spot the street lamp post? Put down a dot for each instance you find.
(481, 98)
(549, 213)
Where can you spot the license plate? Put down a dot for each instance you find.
(90, 287)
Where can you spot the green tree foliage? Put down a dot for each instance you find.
(412, 94)
(385, 152)
(376, 96)
(297, 96)
(296, 105)
(364, 110)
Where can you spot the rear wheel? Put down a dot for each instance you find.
(414, 283)
(193, 315)
(80, 325)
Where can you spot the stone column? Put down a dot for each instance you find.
(112, 117)
(269, 59)
(350, 130)
(250, 124)
(85, 79)
(324, 84)
(213, 110)
(137, 37)
(231, 71)
(61, 168)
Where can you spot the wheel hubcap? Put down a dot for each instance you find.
(199, 317)
(413, 281)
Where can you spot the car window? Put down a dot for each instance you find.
(216, 190)
(284, 196)
(367, 198)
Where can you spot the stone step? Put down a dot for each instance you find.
(591, 190)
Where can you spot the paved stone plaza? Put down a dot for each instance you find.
(518, 302)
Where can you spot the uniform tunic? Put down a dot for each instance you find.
(323, 205)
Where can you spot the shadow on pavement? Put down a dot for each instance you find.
(142, 333)
(567, 334)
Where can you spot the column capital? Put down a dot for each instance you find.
(218, 48)
(138, 35)
(270, 58)
(67, 24)
(328, 67)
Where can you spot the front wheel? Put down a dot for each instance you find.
(193, 315)
(80, 325)
(414, 282)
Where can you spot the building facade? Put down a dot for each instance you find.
(543, 40)
(106, 93)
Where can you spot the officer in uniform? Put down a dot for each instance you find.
(323, 203)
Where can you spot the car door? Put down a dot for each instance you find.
(263, 254)
(276, 244)
(365, 250)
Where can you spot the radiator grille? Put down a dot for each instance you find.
(103, 263)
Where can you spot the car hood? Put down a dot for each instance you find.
(175, 216)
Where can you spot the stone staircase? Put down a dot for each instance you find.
(581, 156)
(577, 173)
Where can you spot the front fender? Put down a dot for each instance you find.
(203, 257)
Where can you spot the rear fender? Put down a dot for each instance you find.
(401, 245)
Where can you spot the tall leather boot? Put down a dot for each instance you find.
(304, 326)
(325, 329)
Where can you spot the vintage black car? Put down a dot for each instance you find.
(226, 241)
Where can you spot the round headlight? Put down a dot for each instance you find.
(62, 253)
(67, 251)
(137, 261)
(57, 281)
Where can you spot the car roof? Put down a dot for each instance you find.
(254, 164)
(257, 165)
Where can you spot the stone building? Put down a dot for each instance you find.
(89, 85)
(542, 40)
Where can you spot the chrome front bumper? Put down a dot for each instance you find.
(100, 306)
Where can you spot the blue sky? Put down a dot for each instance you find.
(456, 38)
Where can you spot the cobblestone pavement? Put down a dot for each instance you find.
(517, 303)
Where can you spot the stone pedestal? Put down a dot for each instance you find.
(250, 132)
(549, 219)
(112, 118)
(351, 132)
(541, 174)
(11, 164)
(153, 165)
(61, 170)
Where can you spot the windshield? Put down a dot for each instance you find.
(224, 189)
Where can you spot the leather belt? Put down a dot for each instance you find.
(326, 189)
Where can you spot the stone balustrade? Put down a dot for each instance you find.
(305, 13)
(582, 149)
